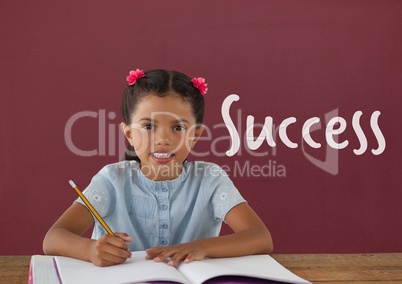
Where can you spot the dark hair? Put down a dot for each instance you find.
(161, 83)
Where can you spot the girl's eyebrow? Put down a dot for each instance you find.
(181, 120)
(145, 118)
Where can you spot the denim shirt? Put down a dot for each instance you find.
(160, 213)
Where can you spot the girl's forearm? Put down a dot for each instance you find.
(252, 241)
(59, 241)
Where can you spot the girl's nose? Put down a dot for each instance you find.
(163, 137)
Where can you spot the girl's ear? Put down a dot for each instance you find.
(197, 134)
(127, 132)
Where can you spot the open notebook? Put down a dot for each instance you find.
(245, 269)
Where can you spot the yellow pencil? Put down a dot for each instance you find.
(90, 207)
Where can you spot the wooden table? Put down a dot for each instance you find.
(317, 268)
(345, 268)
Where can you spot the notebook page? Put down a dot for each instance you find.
(136, 269)
(43, 270)
(258, 266)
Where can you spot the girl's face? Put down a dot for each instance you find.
(162, 132)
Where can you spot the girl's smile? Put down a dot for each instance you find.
(162, 158)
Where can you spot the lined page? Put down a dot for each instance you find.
(255, 266)
(43, 270)
(136, 269)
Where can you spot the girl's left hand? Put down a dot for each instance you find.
(186, 252)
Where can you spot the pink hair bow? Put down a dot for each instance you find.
(134, 76)
(200, 84)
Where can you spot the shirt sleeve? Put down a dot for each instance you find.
(100, 194)
(225, 195)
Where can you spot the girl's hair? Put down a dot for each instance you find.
(161, 83)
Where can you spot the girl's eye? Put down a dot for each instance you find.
(179, 128)
(148, 127)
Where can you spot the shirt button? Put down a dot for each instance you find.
(163, 242)
(163, 207)
(164, 189)
(164, 226)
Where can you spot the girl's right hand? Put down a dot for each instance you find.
(109, 250)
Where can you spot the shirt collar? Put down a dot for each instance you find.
(155, 185)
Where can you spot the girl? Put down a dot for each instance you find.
(165, 205)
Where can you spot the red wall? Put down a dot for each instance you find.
(284, 59)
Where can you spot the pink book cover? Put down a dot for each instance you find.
(30, 277)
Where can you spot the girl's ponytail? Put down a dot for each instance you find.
(129, 154)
